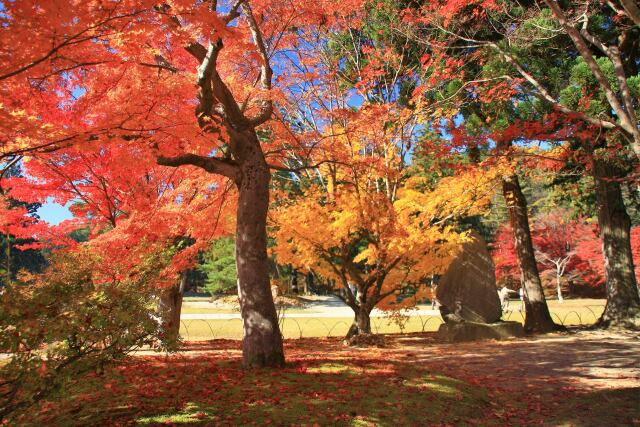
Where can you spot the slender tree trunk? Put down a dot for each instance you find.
(361, 322)
(262, 342)
(294, 282)
(559, 287)
(307, 284)
(538, 319)
(623, 300)
(171, 308)
(8, 253)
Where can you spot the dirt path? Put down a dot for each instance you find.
(595, 359)
(582, 379)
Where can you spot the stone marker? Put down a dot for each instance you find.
(473, 331)
(470, 305)
(470, 282)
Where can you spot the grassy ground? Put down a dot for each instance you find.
(339, 389)
(571, 312)
(551, 380)
(198, 330)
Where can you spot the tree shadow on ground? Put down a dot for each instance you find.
(552, 375)
(578, 380)
(206, 390)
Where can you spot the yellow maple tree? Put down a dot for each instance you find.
(370, 232)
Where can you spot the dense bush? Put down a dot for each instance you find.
(73, 319)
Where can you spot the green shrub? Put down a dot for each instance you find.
(70, 321)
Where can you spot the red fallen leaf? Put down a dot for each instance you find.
(201, 415)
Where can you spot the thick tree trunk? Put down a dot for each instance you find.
(537, 319)
(171, 308)
(361, 323)
(623, 300)
(262, 342)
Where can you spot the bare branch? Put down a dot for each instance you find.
(266, 73)
(234, 11)
(302, 168)
(211, 164)
(197, 51)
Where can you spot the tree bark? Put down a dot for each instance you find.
(171, 308)
(307, 284)
(623, 301)
(244, 163)
(294, 282)
(262, 341)
(537, 319)
(559, 287)
(361, 323)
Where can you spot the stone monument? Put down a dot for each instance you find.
(469, 302)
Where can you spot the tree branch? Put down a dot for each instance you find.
(613, 53)
(625, 120)
(544, 94)
(632, 10)
(266, 73)
(211, 164)
(197, 51)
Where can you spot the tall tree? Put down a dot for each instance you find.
(371, 234)
(125, 71)
(480, 98)
(623, 295)
(534, 60)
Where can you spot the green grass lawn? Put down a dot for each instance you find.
(571, 312)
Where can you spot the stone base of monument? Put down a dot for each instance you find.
(472, 331)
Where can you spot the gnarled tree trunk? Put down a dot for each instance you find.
(243, 162)
(623, 300)
(537, 319)
(262, 342)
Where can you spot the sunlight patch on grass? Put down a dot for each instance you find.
(190, 414)
(332, 368)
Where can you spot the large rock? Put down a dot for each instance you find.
(472, 331)
(467, 291)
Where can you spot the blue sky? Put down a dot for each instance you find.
(54, 213)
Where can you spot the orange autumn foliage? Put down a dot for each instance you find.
(366, 227)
